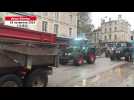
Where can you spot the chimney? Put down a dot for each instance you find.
(102, 21)
(119, 17)
(109, 19)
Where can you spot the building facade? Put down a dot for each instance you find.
(115, 30)
(97, 36)
(64, 24)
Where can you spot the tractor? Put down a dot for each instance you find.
(78, 52)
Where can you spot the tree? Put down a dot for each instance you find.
(84, 23)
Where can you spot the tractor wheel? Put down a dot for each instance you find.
(112, 58)
(10, 80)
(37, 78)
(63, 62)
(118, 58)
(79, 61)
(128, 58)
(91, 58)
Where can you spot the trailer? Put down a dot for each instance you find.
(27, 57)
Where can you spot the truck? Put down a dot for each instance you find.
(109, 47)
(27, 57)
(77, 51)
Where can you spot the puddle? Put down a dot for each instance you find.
(117, 77)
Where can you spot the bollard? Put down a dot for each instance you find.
(84, 82)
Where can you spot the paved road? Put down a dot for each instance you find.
(69, 75)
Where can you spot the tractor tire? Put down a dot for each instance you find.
(106, 55)
(62, 62)
(10, 80)
(112, 58)
(78, 61)
(91, 58)
(37, 78)
(128, 58)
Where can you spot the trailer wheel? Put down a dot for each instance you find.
(10, 81)
(37, 78)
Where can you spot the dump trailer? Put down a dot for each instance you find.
(26, 57)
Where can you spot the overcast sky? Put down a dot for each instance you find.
(96, 17)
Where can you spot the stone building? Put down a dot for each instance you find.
(115, 30)
(64, 24)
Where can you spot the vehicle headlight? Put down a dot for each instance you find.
(69, 54)
(117, 51)
(66, 54)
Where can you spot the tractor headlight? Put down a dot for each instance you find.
(66, 54)
(117, 51)
(69, 54)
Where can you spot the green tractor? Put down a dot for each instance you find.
(78, 52)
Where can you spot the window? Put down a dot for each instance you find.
(56, 28)
(110, 29)
(105, 37)
(115, 28)
(70, 31)
(124, 44)
(70, 18)
(115, 37)
(132, 38)
(110, 23)
(110, 36)
(44, 26)
(105, 30)
(56, 16)
(1, 19)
